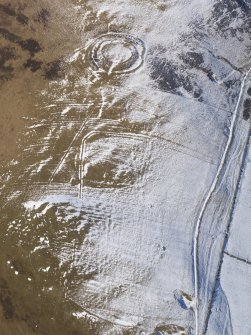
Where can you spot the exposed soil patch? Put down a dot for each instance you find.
(9, 10)
(30, 44)
(234, 9)
(170, 79)
(169, 329)
(52, 70)
(247, 109)
(193, 59)
(33, 64)
(196, 61)
(6, 69)
(6, 300)
(9, 36)
(43, 17)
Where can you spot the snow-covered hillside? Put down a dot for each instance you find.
(122, 196)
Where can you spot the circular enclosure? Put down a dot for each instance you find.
(117, 53)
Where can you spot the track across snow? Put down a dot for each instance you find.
(207, 200)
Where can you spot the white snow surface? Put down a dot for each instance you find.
(236, 270)
(239, 239)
